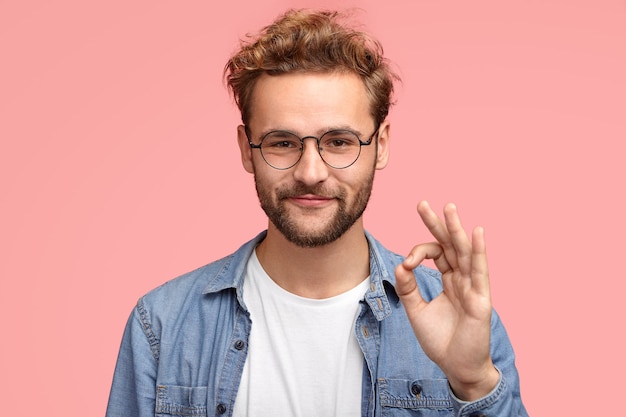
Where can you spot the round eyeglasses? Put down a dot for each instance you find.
(338, 148)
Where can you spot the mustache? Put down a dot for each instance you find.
(301, 189)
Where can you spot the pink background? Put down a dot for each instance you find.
(119, 170)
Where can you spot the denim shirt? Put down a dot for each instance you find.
(185, 344)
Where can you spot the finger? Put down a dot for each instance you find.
(434, 251)
(480, 269)
(439, 231)
(460, 241)
(431, 250)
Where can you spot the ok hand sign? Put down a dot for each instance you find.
(454, 328)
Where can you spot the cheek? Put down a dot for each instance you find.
(357, 178)
(266, 179)
(359, 184)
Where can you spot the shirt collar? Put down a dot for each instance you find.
(231, 271)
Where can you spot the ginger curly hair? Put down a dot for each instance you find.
(311, 41)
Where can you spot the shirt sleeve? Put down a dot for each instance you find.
(133, 390)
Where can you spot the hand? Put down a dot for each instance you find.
(454, 328)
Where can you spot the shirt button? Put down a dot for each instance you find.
(221, 409)
(416, 389)
(240, 344)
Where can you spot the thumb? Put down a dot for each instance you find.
(406, 286)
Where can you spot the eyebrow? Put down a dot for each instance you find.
(318, 134)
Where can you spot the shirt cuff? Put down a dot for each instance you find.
(472, 408)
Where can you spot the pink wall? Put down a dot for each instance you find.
(119, 170)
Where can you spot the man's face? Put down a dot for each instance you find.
(312, 204)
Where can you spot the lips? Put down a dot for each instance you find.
(312, 197)
(310, 200)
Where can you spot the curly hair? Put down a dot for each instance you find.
(311, 41)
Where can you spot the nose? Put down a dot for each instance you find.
(311, 169)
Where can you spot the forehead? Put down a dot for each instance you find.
(310, 102)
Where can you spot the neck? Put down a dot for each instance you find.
(319, 272)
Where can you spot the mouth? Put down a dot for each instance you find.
(311, 200)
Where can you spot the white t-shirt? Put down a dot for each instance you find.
(303, 356)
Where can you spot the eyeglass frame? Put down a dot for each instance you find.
(317, 139)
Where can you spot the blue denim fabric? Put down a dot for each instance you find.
(185, 345)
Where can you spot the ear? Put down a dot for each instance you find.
(382, 157)
(244, 149)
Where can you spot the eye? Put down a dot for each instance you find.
(339, 139)
(281, 140)
(283, 144)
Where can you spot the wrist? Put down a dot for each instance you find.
(472, 391)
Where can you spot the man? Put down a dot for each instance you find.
(314, 316)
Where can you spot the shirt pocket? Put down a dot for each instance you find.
(180, 401)
(423, 397)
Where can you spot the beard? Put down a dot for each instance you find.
(344, 217)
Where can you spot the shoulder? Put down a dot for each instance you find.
(188, 289)
(192, 282)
